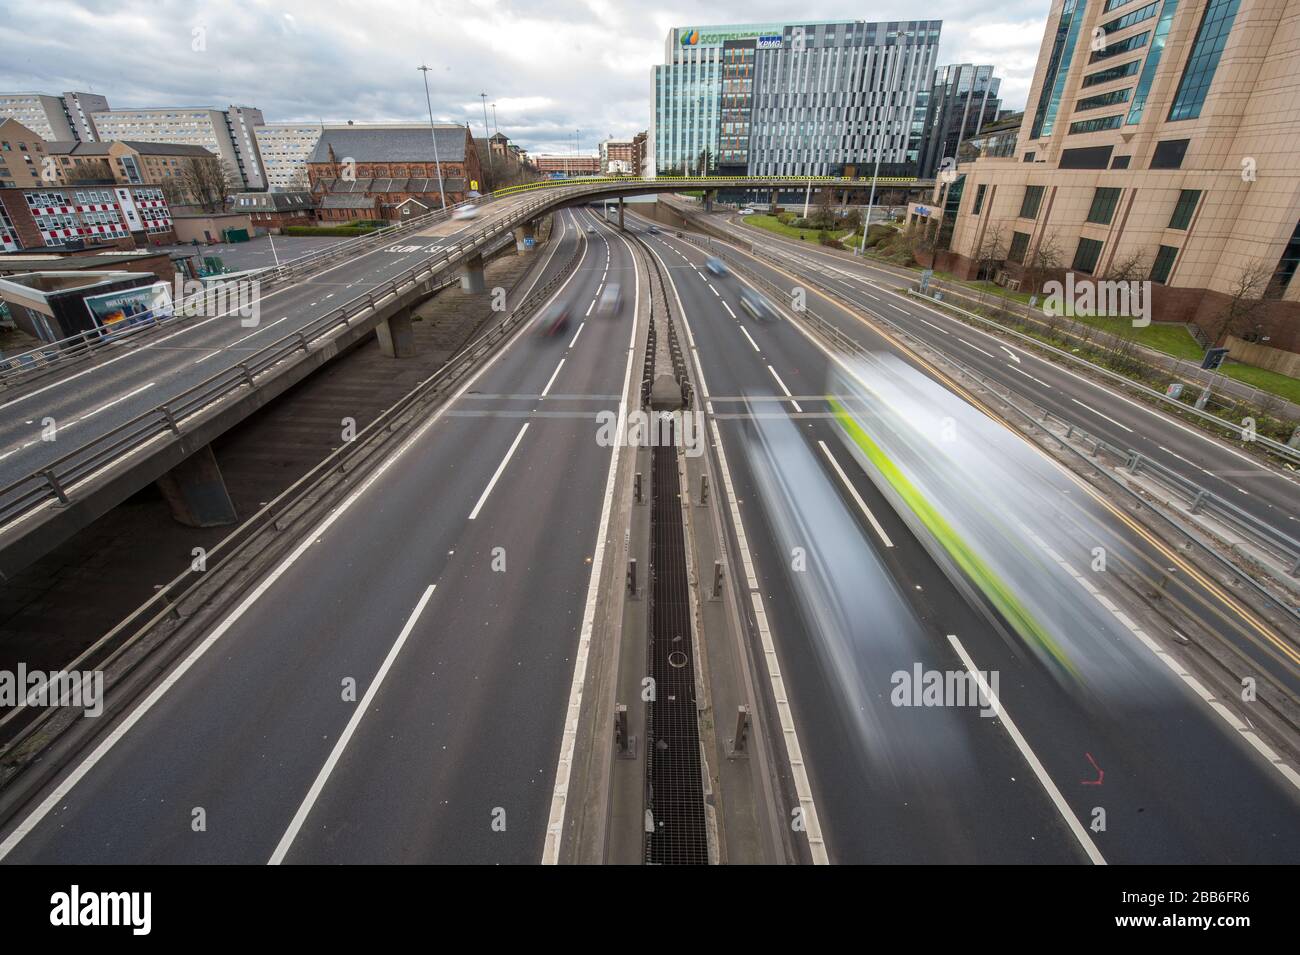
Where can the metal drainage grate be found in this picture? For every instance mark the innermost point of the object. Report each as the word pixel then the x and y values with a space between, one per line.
pixel 674 798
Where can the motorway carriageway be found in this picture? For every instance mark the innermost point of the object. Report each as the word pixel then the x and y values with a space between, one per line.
pixel 1269 493
pixel 945 784
pixel 95 398
pixel 463 673
pixel 1060 390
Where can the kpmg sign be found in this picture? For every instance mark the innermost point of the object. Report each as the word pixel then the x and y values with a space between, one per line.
pixel 769 42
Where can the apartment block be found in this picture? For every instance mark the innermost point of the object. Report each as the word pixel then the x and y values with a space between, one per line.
pixel 77 217
pixel 66 117
pixel 285 149
pixel 23 155
pixel 229 134
pixel 1159 140
pixel 132 163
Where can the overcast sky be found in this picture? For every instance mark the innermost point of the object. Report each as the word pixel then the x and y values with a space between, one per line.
pixel 551 66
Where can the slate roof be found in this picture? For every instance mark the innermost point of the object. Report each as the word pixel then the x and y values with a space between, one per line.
pixel 409 144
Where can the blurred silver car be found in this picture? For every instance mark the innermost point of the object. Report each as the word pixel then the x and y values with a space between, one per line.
pixel 716 266
pixel 465 212
pixel 757 306
pixel 611 299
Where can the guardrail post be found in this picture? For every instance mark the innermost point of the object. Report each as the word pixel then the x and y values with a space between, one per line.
pixel 171 419
pixel 715 592
pixel 636 488
pixel 631 576
pixel 1199 500
pixel 55 486
pixel 248 375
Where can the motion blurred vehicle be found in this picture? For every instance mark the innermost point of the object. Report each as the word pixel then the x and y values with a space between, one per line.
pixel 465 212
pixel 611 299
pixel 745 212
pixel 716 266
pixel 653 230
pixel 554 320
pixel 591 230
pixel 757 305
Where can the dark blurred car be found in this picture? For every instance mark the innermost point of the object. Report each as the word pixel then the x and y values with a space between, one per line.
pixel 554 320
pixel 653 230
pixel 716 266
pixel 757 305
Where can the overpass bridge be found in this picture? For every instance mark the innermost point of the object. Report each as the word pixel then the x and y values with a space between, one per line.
pixel 90 421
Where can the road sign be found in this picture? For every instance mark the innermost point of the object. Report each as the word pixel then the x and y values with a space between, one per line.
pixel 1214 358
pixel 473 184
pixel 529 242
pixel 925 279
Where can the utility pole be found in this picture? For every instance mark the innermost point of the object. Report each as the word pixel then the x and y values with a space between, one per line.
pixel 862 249
pixel 487 141
pixel 433 133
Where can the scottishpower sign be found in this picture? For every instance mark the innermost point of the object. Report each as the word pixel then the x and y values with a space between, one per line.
pixel 766 37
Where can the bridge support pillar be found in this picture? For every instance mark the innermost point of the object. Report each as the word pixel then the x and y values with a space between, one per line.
pixel 396 338
pixel 620 212
pixel 709 196
pixel 526 237
pixel 196 491
pixel 471 274
pixel 776 199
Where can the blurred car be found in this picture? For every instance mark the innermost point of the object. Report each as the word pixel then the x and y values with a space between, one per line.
pixel 653 230
pixel 611 299
pixel 716 266
pixel 757 305
pixel 746 212
pixel 465 212
pixel 554 320
pixel 591 230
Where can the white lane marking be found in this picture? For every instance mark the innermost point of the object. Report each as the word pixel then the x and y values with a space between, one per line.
pixel 745 332
pixel 1014 356
pixel 1100 415
pixel 976 347
pixel 577 333
pixel 857 498
pixel 499 471
pixel 116 401
pixel 785 389
pixel 547 389
pixel 1184 460
pixel 1030 377
pixel 1168 660
pixel 568 739
pixel 942 331
pixel 358 713
pixel 728 308
pixel 589 308
pixel 1081 834
pixel 714 291
pixel 60 792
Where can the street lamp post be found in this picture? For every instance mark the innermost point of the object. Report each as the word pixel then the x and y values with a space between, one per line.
pixel 866 224
pixel 487 141
pixel 433 133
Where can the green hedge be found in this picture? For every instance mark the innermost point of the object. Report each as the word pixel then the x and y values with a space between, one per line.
pixel 337 231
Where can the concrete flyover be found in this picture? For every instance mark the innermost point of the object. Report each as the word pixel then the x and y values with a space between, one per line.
pixel 135 413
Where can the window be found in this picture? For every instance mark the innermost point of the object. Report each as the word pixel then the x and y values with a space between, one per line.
pixel 1135 42
pixel 1033 199
pixel 1169 154
pixel 1152 61
pixel 1019 244
pixel 1128 19
pixel 1286 267
pixel 1104 99
pixel 1029 157
pixel 1120 162
pixel 1164 264
pixel 1198 74
pixel 1086 256
pixel 979 200
pixel 1112 73
pixel 1182 216
pixel 1097 125
pixel 1104 201
pixel 1058 67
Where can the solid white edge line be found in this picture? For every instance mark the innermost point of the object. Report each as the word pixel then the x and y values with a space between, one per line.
pixel 1063 807
pixel 60 792
pixel 790 736
pixel 856 496
pixel 568 739
pixel 499 471
pixel 358 713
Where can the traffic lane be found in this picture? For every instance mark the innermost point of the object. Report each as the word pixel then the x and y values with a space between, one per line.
pixel 96 403
pixel 1190 590
pixel 456 756
pixel 1146 769
pixel 267 702
pixel 1270 494
pixel 920 787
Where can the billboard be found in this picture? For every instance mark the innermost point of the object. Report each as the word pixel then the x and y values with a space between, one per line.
pixel 117 311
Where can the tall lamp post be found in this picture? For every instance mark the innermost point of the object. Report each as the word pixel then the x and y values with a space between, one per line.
pixel 433 133
pixel 866 224
pixel 487 140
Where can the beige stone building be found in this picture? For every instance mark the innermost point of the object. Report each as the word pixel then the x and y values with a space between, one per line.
pixel 1160 140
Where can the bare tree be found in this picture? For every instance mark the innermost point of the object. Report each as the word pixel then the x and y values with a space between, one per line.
pixel 1044 259
pixel 921 239
pixel 91 171
pixel 206 182
pixel 1129 268
pixel 1245 300
pixel 991 251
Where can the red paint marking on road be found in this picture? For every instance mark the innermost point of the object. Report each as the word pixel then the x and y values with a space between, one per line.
pixel 1101 773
